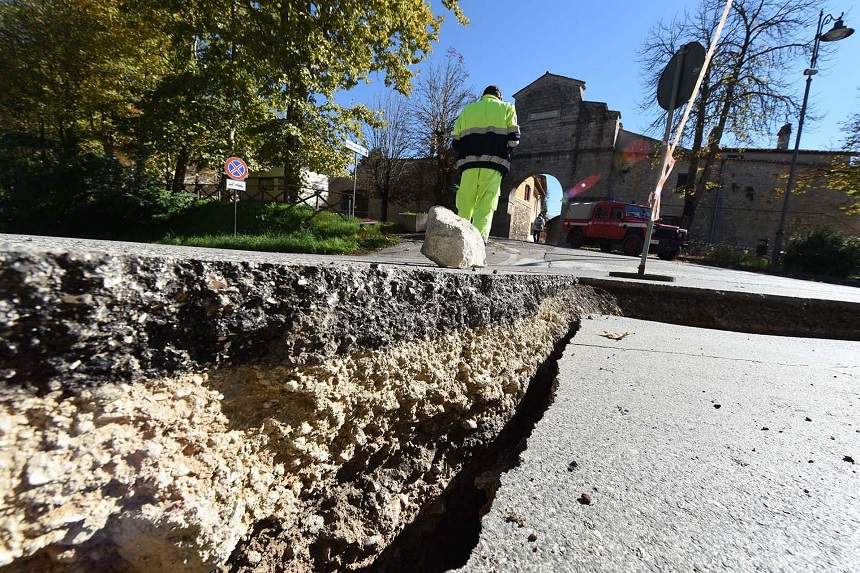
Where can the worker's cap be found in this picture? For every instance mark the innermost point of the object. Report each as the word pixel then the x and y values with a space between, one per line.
pixel 493 91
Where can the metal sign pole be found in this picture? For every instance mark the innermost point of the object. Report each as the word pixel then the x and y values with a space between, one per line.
pixel 236 171
pixel 354 183
pixel 646 246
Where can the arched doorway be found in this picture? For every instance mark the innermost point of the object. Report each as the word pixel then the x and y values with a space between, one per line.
pixel 535 194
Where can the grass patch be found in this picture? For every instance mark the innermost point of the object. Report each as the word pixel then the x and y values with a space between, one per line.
pixel 292 243
pixel 274 227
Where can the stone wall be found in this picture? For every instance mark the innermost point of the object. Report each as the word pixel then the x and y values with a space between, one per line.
pixel 744 206
pixel 189 411
pixel 414 192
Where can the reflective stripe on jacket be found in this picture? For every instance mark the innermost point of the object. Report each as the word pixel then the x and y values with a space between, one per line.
pixel 485 133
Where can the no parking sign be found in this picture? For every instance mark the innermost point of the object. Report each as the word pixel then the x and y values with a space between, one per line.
pixel 236 169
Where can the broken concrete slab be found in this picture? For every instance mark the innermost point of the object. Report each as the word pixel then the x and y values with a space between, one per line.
pixel 164 412
pixel 676 484
pixel 452 241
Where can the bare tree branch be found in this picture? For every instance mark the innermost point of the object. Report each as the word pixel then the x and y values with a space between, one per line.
pixel 390 147
pixel 747 92
pixel 441 92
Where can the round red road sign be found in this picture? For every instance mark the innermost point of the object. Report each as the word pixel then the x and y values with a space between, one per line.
pixel 235 168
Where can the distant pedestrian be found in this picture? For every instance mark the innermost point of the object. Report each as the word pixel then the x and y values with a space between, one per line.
pixel 484 136
pixel 538 226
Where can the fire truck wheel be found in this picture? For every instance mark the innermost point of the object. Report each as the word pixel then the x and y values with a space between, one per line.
pixel 632 245
pixel 575 237
pixel 606 246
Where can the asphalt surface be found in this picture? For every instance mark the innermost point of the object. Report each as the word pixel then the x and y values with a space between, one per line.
pixel 701 451
pixel 504 255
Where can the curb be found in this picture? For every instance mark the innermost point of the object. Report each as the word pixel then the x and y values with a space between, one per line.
pixel 752 313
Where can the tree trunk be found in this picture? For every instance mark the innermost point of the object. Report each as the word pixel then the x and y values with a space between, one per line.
pixel 444 172
pixel 713 148
pixel 180 170
pixel 696 148
pixel 292 181
pixel 384 195
pixel 293 167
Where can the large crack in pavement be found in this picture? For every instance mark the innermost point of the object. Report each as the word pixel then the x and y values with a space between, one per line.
pixel 444 534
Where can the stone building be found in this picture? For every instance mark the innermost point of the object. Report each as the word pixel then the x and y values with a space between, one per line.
pixel 744 205
pixel 414 195
pixel 584 145
pixel 525 203
pixel 563 135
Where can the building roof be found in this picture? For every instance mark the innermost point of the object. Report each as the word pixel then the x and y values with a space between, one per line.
pixel 743 150
pixel 573 80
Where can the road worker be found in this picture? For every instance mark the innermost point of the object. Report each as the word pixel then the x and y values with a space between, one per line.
pixel 485 133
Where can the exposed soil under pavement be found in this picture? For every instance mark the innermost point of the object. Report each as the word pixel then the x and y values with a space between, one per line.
pixel 443 536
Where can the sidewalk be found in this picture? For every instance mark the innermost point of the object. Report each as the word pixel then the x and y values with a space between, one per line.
pixel 506 255
pixel 503 256
pixel 700 450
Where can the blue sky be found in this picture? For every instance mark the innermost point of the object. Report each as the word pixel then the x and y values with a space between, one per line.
pixel 511 43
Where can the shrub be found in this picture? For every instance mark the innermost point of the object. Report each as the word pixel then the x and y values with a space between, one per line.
pixel 273 227
pixel 92 196
pixel 215 217
pixel 724 255
pixel 299 242
pixel 824 252
pixel 729 256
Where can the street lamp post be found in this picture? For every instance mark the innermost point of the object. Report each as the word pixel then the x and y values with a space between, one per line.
pixel 838 32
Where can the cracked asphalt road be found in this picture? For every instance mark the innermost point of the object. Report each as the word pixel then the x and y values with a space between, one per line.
pixel 503 255
pixel 700 450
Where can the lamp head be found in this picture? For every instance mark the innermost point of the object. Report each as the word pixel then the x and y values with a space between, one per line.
pixel 839 31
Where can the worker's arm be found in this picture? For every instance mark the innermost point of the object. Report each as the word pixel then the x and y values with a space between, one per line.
pixel 455 136
pixel 513 128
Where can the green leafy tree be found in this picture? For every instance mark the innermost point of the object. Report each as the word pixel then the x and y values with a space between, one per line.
pixel 74 73
pixel 259 79
pixel 96 87
pixel 844 175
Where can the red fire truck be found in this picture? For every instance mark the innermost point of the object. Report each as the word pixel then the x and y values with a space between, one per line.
pixel 616 225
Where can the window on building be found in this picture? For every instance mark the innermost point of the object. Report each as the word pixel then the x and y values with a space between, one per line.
pixel 528 193
pixel 682 181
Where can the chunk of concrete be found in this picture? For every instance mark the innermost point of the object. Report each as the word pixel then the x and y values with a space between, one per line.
pixel 452 241
pixel 176 446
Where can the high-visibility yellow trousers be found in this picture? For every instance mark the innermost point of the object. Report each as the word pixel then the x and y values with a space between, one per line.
pixel 478 197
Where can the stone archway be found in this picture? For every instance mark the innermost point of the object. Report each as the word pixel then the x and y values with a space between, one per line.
pixel 563 135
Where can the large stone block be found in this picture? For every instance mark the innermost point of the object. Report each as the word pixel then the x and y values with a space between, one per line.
pixel 452 241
